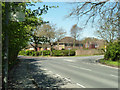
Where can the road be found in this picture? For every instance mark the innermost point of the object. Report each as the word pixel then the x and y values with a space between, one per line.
pixel 81 72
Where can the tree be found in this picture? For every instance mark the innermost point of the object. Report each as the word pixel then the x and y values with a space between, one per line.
pixel 75 33
pixel 105 12
pixel 107 31
pixel 17 32
pixel 60 33
pixel 35 39
pixel 103 9
pixel 35 22
pixel 48 31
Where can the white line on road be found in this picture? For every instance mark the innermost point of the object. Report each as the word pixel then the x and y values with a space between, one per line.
pixel 86 69
pixel 43 69
pixel 80 85
pixel 67 79
pixel 108 66
pixel 50 71
pixel 58 76
pixel 82 68
pixel 69 60
pixel 113 75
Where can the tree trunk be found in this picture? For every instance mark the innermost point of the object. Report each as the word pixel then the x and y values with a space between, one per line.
pixel 36 46
pixel 50 49
pixel 58 45
pixel 74 42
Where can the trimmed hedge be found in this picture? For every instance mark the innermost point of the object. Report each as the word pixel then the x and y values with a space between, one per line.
pixel 113 51
pixel 47 52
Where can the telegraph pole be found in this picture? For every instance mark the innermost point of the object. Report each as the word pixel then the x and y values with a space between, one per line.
pixel 5 79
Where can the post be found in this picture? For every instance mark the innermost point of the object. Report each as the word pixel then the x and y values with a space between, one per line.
pixel 69 52
pixel 42 50
pixel 5 80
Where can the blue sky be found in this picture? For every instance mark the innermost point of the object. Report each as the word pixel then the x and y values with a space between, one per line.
pixel 58 16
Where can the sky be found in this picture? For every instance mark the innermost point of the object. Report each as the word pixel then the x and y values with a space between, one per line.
pixel 58 16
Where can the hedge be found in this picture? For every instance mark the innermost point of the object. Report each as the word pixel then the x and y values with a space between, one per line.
pixel 47 52
pixel 113 51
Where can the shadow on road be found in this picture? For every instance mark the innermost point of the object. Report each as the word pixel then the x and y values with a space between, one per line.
pixel 28 74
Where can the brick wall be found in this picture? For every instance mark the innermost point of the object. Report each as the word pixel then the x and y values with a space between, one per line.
pixel 89 52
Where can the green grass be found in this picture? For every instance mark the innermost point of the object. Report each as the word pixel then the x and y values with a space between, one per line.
pixel 110 63
pixel 84 55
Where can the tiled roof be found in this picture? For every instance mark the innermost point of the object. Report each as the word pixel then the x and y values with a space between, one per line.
pixel 68 40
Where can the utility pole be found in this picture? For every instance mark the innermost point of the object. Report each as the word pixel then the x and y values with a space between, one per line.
pixel 5 79
pixel 19 17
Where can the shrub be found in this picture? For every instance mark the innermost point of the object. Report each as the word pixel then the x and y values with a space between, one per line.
pixel 63 52
pixel 113 51
pixel 47 52
pixel 22 52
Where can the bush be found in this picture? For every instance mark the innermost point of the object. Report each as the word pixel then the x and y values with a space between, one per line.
pixel 113 51
pixel 63 52
pixel 47 52
pixel 22 52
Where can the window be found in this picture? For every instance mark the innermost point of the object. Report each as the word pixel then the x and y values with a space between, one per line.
pixel 61 43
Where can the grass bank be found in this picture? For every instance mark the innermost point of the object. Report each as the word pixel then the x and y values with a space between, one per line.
pixel 83 55
pixel 110 63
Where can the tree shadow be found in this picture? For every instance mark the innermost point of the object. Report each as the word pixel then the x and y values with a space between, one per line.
pixel 30 75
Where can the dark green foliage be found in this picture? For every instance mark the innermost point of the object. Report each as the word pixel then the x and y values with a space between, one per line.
pixel 63 53
pixel 113 51
pixel 47 52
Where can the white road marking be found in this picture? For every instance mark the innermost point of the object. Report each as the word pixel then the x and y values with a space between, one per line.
pixel 80 85
pixel 67 79
pixel 85 69
pixel 58 75
pixel 43 69
pixel 107 66
pixel 50 71
pixel 113 75
pixel 82 68
pixel 69 60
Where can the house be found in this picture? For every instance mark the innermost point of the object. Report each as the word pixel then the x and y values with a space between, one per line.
pixel 40 47
pixel 67 43
pixel 93 43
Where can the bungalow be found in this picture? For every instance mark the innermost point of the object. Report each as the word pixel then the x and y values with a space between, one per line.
pixel 93 43
pixel 67 43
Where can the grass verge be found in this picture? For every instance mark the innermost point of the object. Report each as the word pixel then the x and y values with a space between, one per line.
pixel 82 55
pixel 110 63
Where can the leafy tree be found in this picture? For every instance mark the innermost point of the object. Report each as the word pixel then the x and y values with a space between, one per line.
pixel 34 22
pixel 75 33
pixel 18 32
pixel 48 31
pixel 36 39
pixel 60 33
